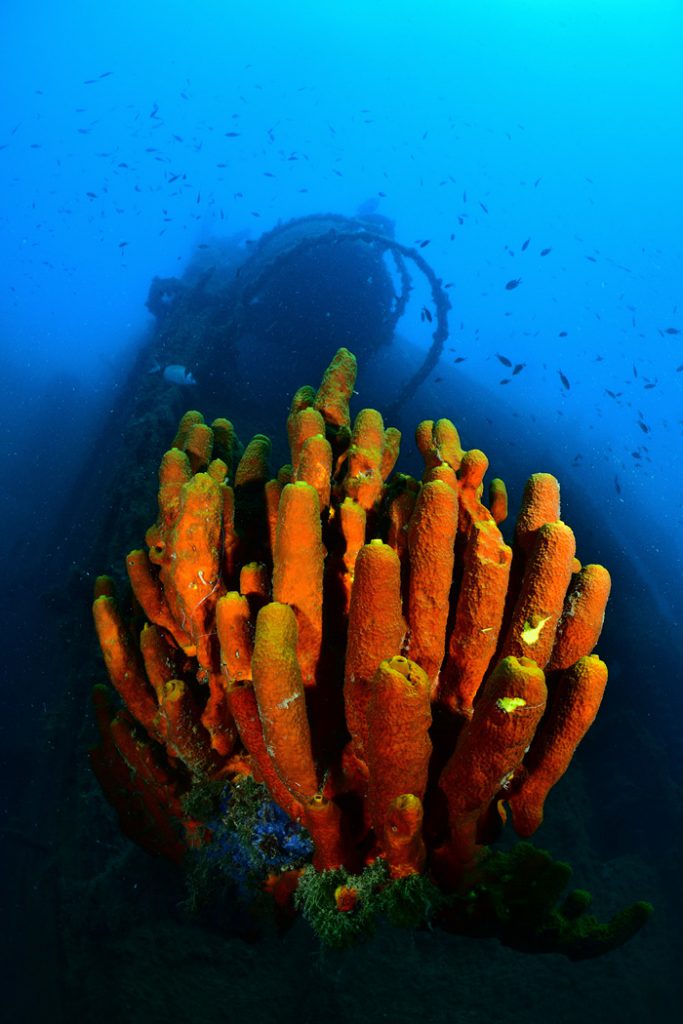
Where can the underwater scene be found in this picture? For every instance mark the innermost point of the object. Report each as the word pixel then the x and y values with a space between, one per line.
pixel 341 533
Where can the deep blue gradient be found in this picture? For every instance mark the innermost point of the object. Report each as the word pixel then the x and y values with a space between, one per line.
pixel 536 141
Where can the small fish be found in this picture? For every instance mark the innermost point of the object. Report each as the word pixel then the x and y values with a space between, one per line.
pixel 635 455
pixel 679 368
pixel 562 334
pixel 91 195
pixel 671 330
pixel 483 207
pixel 544 252
pixel 425 242
pixel 617 485
pixel 231 135
pixel 503 359
pixel 537 182
pixel 525 244
pixel 505 380
pixel 644 427
pixel 518 369
pixel 514 283
pixel 564 380
pixel 461 359
pixel 122 245
pixel 175 374
pixel 427 315
pixel 592 259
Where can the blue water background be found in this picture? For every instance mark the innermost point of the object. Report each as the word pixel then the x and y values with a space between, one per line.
pixel 133 133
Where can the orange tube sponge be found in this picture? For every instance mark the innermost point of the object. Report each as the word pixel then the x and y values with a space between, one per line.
pixel 472 472
pixel 547 573
pixel 478 617
pixel 576 698
pixel 431 538
pixel 175 471
pixel 402 842
pixel 279 629
pixel 334 393
pixel 401 508
pixel 199 446
pixel 490 749
pixel 302 424
pixel 279 690
pixel 144 760
pixel 352 523
pixel 376 631
pixel 187 422
pixel 216 717
pixel 582 617
pixel 298 570
pixel 103 587
pixel 226 445
pixel 322 818
pixel 398 747
pixel 185 736
pixel 315 467
pixel 439 442
pixel 271 494
pixel 150 595
pixel 363 480
pixel 255 583
pixel 390 451
pixel 540 505
pixel 498 500
pixel 123 663
pixel 234 635
pixel 231 541
pixel 162 661
pixel 217 470
pixel 136 780
pixel 143 815
pixel 253 466
pixel 190 573
pixel 244 709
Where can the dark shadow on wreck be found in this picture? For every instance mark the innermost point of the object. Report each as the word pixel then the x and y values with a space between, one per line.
pixel 92 924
